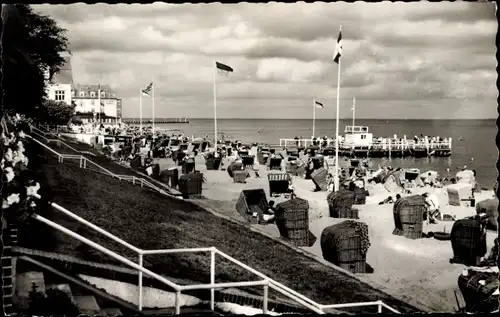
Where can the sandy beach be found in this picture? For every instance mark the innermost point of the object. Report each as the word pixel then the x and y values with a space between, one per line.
pixel 417 270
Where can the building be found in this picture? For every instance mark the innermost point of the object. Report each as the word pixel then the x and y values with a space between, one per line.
pixel 86 100
pixel 59 86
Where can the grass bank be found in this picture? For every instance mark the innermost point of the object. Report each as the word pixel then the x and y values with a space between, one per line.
pixel 152 221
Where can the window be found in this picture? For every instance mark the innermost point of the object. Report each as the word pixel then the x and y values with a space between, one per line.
pixel 82 93
pixel 72 93
pixel 103 94
pixel 363 137
pixel 92 94
pixel 60 95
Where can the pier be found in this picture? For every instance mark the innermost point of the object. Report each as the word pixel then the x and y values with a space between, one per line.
pixel 387 147
pixel 157 120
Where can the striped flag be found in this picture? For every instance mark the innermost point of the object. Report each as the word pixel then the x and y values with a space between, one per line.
pixel 338 49
pixel 224 69
pixel 318 104
pixel 148 89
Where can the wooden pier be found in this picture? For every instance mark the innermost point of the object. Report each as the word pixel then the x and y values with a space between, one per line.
pixel 385 148
pixel 157 120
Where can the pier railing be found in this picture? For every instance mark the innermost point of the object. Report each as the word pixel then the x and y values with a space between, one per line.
pixel 376 144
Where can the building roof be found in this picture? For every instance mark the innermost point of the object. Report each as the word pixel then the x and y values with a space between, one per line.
pixel 104 88
pixel 65 73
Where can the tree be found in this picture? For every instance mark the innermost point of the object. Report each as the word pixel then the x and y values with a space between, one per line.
pixel 30 43
pixel 53 112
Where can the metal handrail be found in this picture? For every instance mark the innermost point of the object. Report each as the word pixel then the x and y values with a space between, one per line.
pixel 266 282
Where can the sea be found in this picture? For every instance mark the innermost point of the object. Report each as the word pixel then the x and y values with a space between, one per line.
pixel 473 142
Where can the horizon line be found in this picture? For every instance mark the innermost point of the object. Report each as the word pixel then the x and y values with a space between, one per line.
pixel 348 118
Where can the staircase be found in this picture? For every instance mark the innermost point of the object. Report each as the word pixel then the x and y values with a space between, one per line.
pixel 85 303
pixel 9 236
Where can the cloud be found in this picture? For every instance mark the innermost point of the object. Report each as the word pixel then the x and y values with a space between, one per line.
pixel 411 54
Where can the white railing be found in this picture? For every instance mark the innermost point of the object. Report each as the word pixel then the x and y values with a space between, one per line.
pixel 84 162
pixel 266 281
pixel 386 144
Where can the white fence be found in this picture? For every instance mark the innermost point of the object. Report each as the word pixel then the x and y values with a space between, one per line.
pixel 265 281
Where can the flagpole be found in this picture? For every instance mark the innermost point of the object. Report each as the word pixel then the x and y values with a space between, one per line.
pixel 215 110
pixel 140 110
pixel 353 111
pixel 153 102
pixel 314 117
pixel 337 128
pixel 99 102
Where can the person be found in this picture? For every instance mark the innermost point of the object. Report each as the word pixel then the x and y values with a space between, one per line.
pixel 269 213
pixel 432 204
pixel 331 182
pixel 291 189
pixel 388 200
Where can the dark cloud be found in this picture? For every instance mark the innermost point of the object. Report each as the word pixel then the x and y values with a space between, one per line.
pixel 276 47
pixel 456 12
pixel 421 53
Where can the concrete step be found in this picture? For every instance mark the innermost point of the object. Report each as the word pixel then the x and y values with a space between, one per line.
pixel 24 285
pixel 111 312
pixel 63 288
pixel 87 305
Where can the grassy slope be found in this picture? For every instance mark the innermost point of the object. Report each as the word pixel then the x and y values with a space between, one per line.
pixel 149 220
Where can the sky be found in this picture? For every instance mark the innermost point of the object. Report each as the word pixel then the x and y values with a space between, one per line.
pixel 400 60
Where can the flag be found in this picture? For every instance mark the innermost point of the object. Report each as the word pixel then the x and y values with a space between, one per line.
pixel 148 89
pixel 338 49
pixel 318 104
pixel 102 106
pixel 224 68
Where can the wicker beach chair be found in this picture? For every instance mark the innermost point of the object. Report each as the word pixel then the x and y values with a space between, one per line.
pixel 234 166
pixel 292 220
pixel 278 183
pixel 408 215
pixel 212 163
pixel 252 201
pixel 318 177
pixel 340 204
pixel 490 208
pixel 188 166
pixel 477 288
pixel 468 240
pixel 247 160
pixel 346 244
pixel 190 185
pixel 459 193
pixel 240 176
